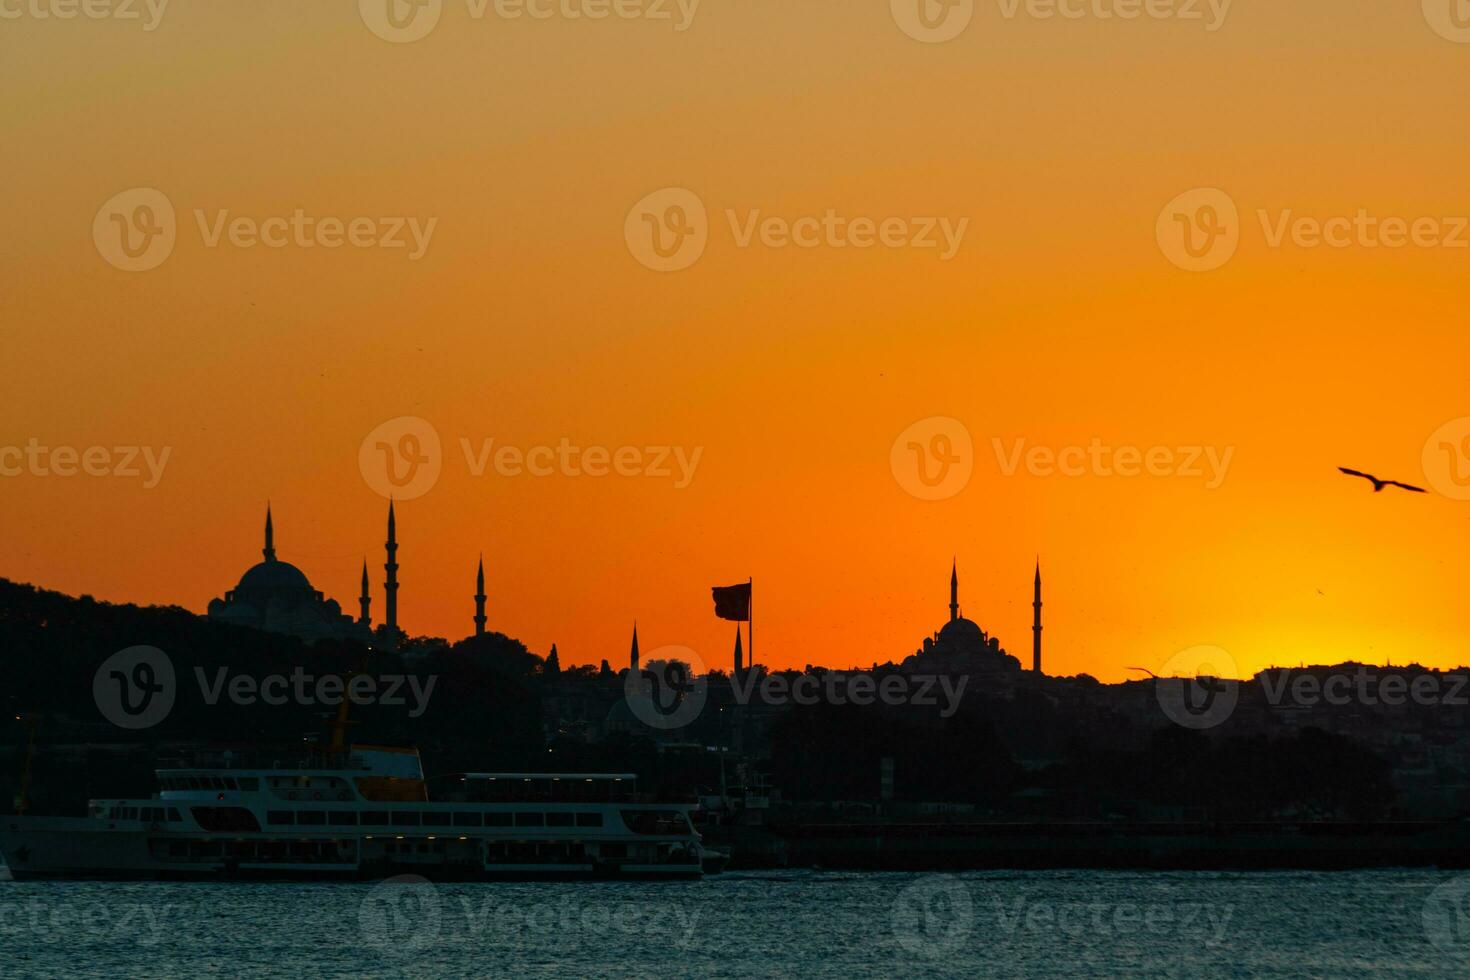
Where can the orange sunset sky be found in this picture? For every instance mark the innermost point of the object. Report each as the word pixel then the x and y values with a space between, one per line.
pixel 529 320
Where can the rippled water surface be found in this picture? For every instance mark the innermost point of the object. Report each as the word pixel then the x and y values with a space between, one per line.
pixel 1056 924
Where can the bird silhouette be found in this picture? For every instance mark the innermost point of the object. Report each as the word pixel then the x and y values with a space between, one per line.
pixel 1378 484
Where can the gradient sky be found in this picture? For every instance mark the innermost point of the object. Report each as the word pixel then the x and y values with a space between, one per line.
pixel 529 321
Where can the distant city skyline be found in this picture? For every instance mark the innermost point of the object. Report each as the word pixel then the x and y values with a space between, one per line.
pixel 1063 318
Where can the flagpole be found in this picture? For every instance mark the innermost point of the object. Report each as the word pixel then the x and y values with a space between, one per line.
pixel 750 621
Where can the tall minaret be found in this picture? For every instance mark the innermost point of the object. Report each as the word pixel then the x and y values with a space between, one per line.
pixel 633 656
pixel 366 599
pixel 480 600
pixel 270 536
pixel 954 592
pixel 1036 622
pixel 390 585
pixel 739 654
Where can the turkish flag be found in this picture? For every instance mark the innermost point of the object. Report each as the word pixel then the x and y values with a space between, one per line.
pixel 732 602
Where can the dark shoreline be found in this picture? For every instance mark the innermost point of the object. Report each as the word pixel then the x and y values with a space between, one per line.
pixel 1096 845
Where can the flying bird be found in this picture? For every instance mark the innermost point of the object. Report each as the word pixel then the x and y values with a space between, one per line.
pixel 1378 484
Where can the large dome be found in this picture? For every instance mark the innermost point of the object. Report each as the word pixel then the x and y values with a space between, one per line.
pixel 961 633
pixel 274 577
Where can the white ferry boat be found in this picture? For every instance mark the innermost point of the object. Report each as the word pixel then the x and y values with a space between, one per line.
pixel 365 812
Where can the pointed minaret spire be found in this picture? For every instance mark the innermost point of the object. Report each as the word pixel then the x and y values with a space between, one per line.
pixel 480 600
pixel 366 599
pixel 270 536
pixel 739 654
pixel 633 655
pixel 954 591
pixel 390 584
pixel 1036 620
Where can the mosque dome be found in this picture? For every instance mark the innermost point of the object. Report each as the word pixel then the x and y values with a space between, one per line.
pixel 961 633
pixel 275 577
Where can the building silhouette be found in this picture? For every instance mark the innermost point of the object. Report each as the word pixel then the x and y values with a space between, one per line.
pixel 277 597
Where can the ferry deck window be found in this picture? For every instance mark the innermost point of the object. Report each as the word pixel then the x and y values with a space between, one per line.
pixel 311 818
pixel 445 819
pixel 342 818
pixel 497 820
pixel 559 819
pixel 593 819
pixel 375 818
pixel 530 819
pixel 284 817
pixel 467 820
pixel 405 818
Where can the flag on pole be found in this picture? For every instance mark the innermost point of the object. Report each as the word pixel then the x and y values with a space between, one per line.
pixel 733 602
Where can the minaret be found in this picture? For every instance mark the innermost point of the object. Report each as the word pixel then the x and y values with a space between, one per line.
pixel 954 592
pixel 390 585
pixel 739 654
pixel 366 599
pixel 1036 622
pixel 633 656
pixel 270 536
pixel 480 600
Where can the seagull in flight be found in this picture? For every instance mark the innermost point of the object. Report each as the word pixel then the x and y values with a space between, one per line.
pixel 1378 484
